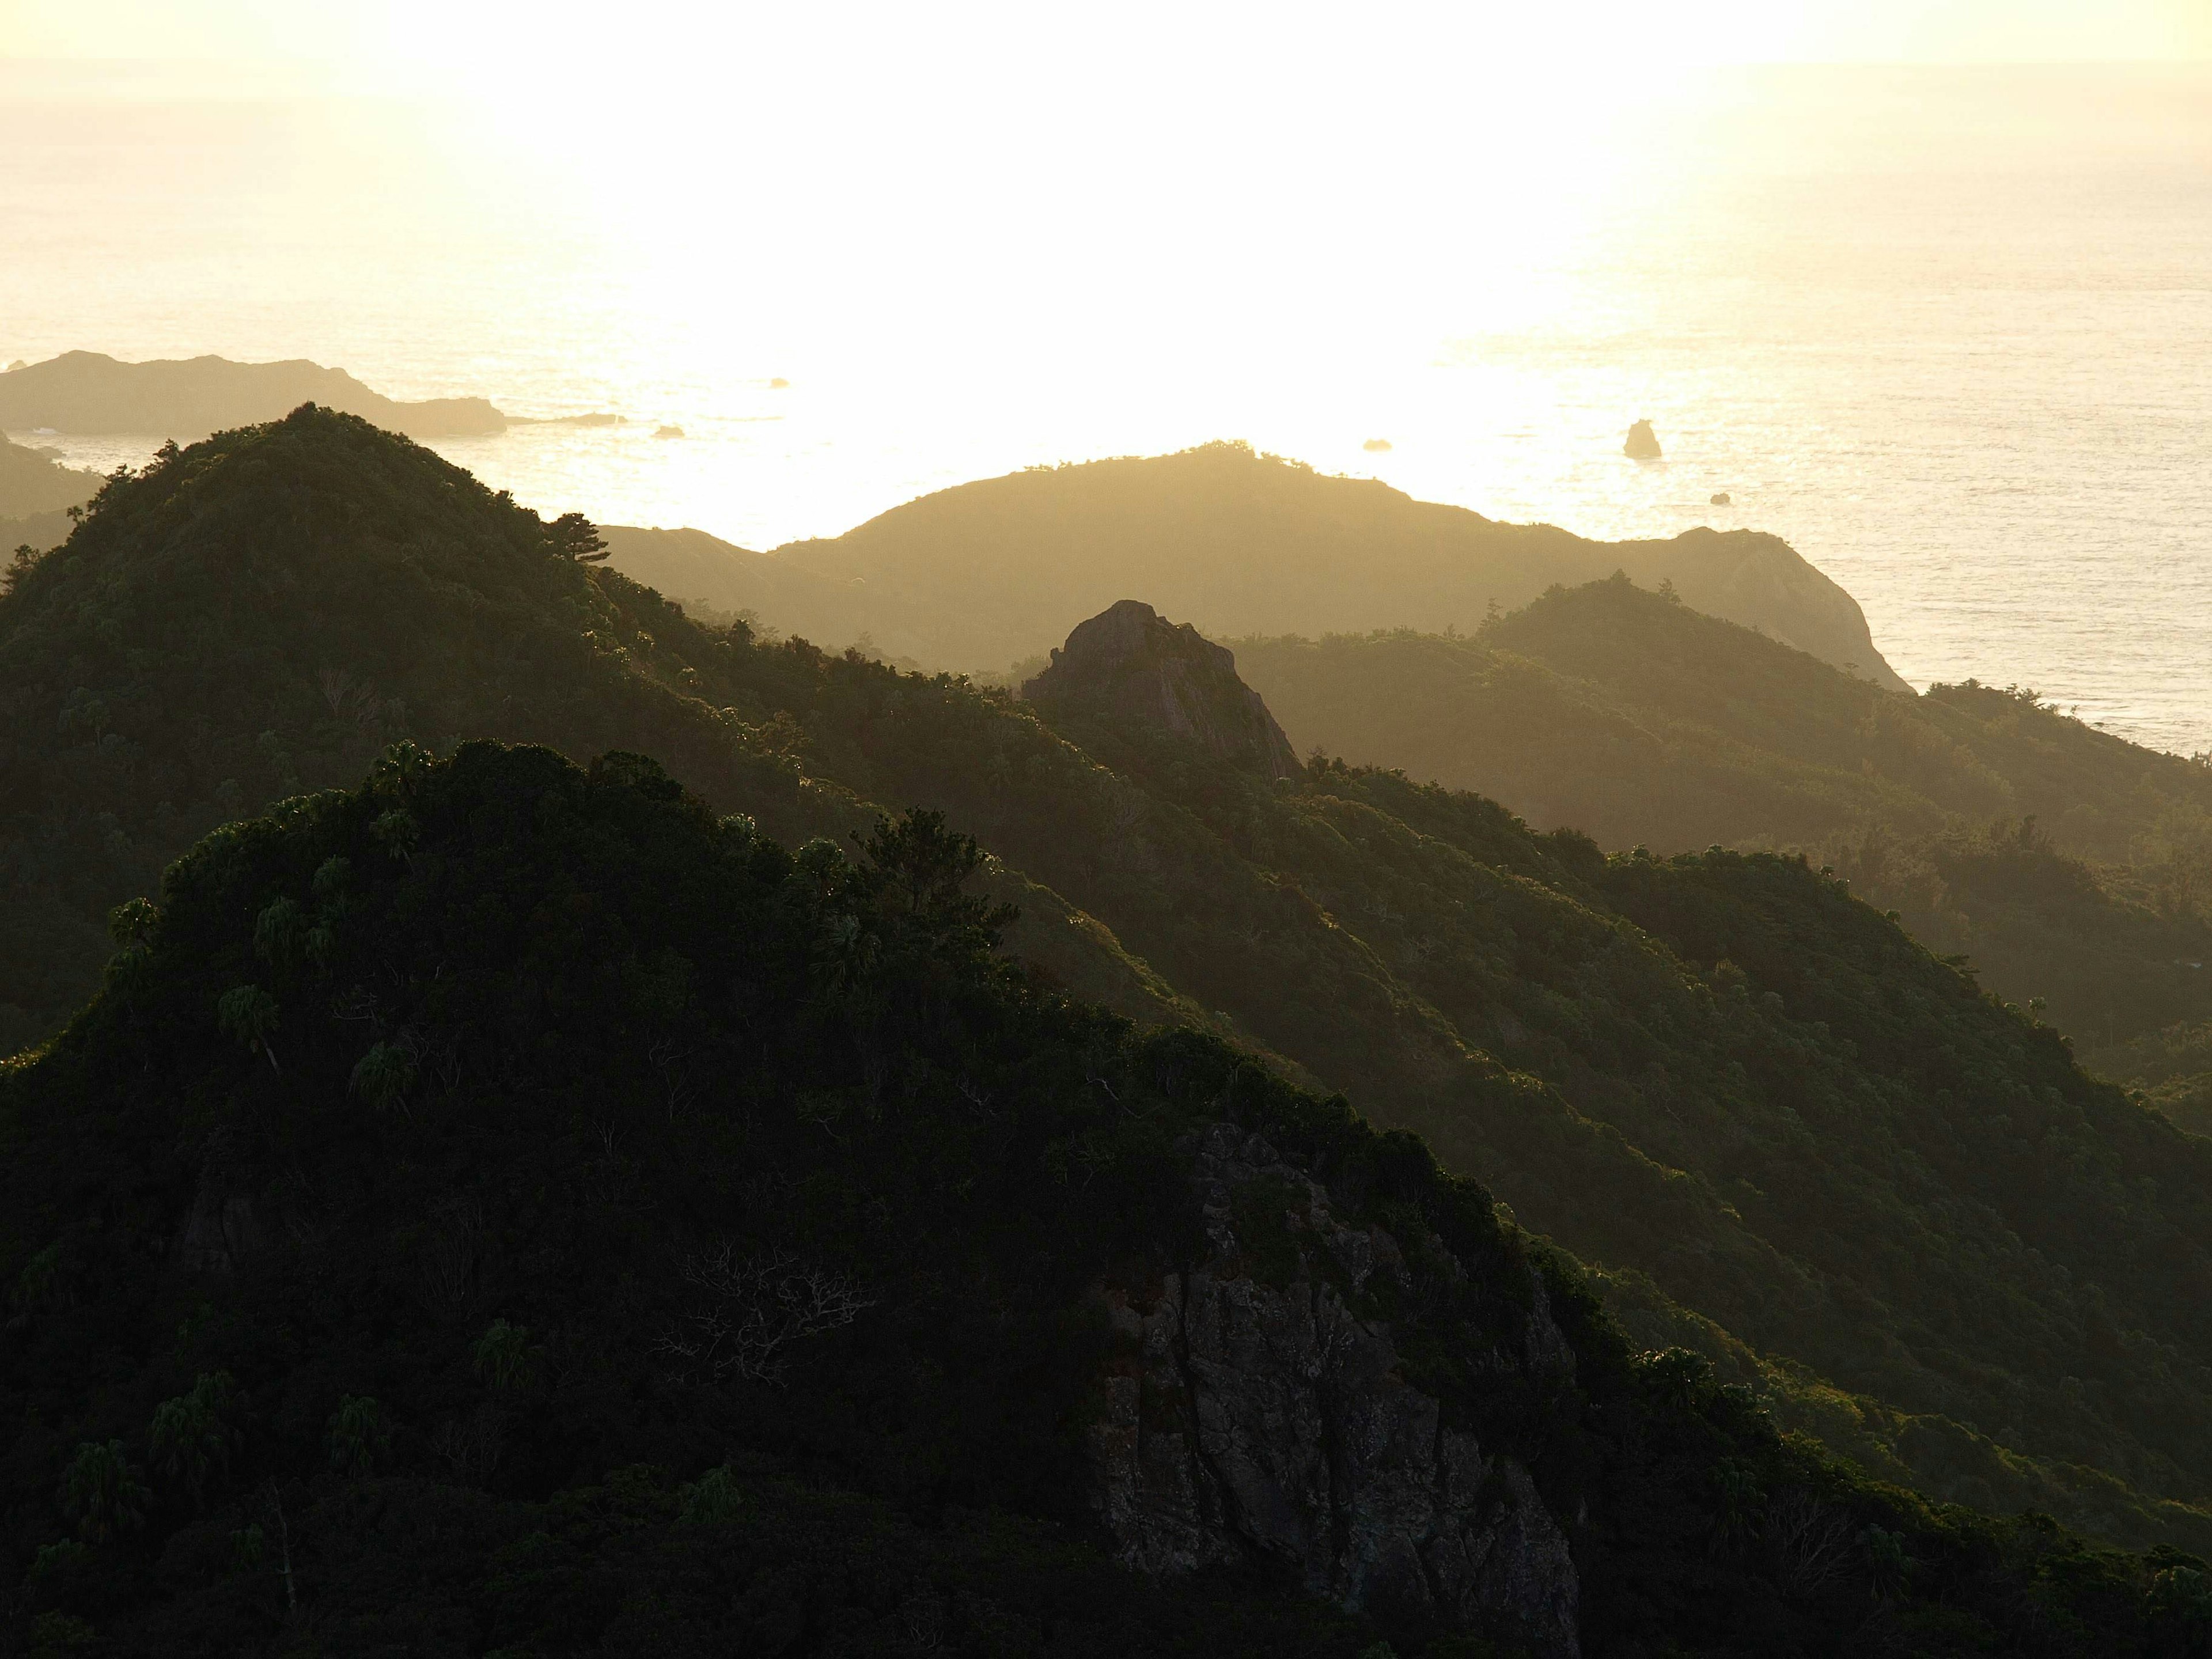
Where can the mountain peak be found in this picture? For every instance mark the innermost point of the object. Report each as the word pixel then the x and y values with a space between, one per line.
pixel 1130 661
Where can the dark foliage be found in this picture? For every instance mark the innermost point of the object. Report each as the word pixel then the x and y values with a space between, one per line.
pixel 2069 865
pixel 1765 1113
pixel 410 1259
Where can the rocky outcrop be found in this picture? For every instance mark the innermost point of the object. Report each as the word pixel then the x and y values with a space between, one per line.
pixel 1642 444
pixel 87 391
pixel 1131 663
pixel 221 1226
pixel 1260 1415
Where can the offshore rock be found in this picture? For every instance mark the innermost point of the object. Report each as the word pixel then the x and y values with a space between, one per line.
pixel 1643 444
pixel 1131 663
pixel 1254 1421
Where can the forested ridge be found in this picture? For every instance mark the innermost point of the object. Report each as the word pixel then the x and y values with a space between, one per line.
pixel 495 1322
pixel 2071 868
pixel 1889 1208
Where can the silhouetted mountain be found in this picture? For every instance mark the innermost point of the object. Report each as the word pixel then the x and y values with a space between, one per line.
pixel 704 572
pixel 1780 1130
pixel 90 392
pixel 1641 722
pixel 989 573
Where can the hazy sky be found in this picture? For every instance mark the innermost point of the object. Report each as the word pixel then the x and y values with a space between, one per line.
pixel 1079 171
pixel 492 47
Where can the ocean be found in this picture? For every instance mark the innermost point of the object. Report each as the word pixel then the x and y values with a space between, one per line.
pixel 1947 331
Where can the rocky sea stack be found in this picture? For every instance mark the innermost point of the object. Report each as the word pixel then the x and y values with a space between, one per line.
pixel 1130 662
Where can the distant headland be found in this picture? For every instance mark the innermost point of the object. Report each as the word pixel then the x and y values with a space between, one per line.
pixel 89 392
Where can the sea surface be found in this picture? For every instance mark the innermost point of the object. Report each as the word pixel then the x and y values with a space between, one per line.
pixel 1949 331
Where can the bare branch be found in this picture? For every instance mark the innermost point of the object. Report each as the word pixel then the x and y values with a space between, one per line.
pixel 750 1310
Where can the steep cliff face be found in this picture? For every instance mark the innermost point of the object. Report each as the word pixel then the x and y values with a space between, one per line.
pixel 1258 1412
pixel 1130 663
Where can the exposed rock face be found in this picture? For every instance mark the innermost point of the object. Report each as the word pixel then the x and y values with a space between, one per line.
pixel 221 1226
pixel 1131 662
pixel 1267 1419
pixel 1643 444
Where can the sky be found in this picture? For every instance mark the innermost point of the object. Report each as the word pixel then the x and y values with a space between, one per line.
pixel 504 50
pixel 1026 168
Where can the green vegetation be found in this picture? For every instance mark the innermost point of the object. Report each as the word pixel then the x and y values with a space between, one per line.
pixel 2069 867
pixel 439 1366
pixel 1782 1132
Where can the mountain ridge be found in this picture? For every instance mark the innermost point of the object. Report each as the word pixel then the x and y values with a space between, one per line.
pixel 1720 1073
pixel 990 572
pixel 2063 861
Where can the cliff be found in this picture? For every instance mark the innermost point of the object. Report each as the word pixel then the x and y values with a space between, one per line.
pixel 1128 664
pixel 1263 1415
pixel 89 391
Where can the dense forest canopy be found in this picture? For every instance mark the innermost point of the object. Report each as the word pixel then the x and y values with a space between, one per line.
pixel 1777 1128
pixel 2072 868
pixel 509 1209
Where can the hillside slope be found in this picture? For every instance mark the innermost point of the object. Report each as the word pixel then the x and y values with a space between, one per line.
pixel 1749 1098
pixel 264 613
pixel 33 484
pixel 509 1209
pixel 2067 863
pixel 992 571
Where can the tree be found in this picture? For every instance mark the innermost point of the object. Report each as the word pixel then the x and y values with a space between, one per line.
pixel 575 537
pixel 504 1357
pixel 921 867
pixel 101 1494
pixel 192 1437
pixel 249 1013
pixel 359 1437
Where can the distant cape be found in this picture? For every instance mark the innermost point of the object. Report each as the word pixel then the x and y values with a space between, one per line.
pixel 87 391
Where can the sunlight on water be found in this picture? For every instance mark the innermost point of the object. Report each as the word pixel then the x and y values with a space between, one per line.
pixel 1952 339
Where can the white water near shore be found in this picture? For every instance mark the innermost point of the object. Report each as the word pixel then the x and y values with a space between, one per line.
pixel 1949 332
